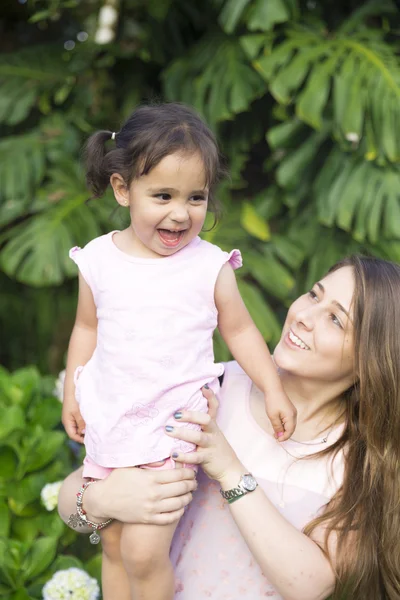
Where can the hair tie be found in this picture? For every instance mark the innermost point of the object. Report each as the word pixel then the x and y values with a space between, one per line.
pixel 113 135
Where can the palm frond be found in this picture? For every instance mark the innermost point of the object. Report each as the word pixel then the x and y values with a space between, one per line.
pixel 360 72
pixel 216 78
pixel 35 251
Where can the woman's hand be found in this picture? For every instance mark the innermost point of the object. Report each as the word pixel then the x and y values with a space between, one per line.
pixel 214 453
pixel 145 496
pixel 131 495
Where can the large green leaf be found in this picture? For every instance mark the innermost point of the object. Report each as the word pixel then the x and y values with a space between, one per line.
pixel 363 72
pixel 11 418
pixel 359 197
pixel 40 557
pixel 260 311
pixel 216 78
pixel 36 251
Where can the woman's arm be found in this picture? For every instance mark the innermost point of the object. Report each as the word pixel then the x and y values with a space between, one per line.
pixel 251 352
pixel 292 562
pixel 81 347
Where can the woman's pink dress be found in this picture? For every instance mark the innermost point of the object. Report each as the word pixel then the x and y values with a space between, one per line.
pixel 210 557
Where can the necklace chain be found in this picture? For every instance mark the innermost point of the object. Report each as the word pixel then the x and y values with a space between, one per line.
pixel 317 442
pixel 324 440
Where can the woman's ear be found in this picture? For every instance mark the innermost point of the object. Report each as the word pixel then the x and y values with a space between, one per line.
pixel 121 190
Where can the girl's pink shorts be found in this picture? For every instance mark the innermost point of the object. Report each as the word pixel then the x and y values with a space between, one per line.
pixel 93 471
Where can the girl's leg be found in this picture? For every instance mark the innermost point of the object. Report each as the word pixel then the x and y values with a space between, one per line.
pixel 114 579
pixel 145 554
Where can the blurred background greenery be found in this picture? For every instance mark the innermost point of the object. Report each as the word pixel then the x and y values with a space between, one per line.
pixel 304 96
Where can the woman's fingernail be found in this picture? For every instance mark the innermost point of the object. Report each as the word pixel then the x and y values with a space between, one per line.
pixel 174 455
pixel 206 386
pixel 280 434
pixel 178 415
pixel 169 428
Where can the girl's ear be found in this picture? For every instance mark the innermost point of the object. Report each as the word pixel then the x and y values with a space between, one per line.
pixel 121 190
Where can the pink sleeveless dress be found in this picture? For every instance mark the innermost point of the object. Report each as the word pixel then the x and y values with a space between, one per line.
pixel 156 318
pixel 210 557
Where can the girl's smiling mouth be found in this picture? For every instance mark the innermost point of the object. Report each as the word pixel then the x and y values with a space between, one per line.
pixel 171 238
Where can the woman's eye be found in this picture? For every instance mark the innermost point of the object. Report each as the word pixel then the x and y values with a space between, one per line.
pixel 163 196
pixel 335 320
pixel 313 295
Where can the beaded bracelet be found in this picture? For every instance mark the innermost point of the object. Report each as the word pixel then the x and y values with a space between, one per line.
pixel 80 518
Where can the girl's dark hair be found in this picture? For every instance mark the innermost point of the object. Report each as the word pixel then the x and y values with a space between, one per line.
pixel 151 133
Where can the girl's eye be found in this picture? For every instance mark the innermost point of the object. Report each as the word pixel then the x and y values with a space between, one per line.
pixel 163 196
pixel 198 198
pixel 335 320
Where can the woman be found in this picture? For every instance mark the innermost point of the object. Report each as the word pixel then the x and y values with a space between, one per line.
pixel 325 516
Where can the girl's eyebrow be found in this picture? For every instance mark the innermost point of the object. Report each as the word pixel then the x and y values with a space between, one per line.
pixel 167 190
pixel 161 189
pixel 340 307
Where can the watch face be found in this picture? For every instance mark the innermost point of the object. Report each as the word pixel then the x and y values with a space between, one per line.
pixel 249 483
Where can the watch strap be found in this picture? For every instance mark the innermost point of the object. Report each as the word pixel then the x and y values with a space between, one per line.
pixel 238 492
pixel 232 495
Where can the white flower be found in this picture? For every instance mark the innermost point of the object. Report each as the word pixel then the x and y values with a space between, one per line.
pixel 71 584
pixel 59 387
pixel 108 16
pixel 104 35
pixel 351 136
pixel 49 495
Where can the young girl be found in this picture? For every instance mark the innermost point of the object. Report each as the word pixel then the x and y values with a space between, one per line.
pixel 150 298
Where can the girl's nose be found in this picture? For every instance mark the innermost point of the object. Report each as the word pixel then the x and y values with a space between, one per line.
pixel 180 214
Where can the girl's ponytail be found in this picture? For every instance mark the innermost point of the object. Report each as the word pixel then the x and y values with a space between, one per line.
pixel 97 173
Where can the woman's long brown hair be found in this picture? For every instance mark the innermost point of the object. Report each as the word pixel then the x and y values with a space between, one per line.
pixel 365 512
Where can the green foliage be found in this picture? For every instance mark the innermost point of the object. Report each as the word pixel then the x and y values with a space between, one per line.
pixel 33 452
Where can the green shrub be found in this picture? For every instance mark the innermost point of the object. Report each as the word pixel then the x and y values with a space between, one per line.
pixel 34 451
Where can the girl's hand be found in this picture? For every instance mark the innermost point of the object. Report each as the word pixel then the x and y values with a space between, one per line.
pixel 72 420
pixel 214 453
pixel 282 414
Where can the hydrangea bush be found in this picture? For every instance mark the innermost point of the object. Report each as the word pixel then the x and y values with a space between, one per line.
pixel 39 556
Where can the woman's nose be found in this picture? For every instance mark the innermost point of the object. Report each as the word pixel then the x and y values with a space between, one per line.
pixel 306 317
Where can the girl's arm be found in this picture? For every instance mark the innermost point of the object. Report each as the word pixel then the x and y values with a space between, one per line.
pixel 81 347
pixel 251 352
pixel 292 562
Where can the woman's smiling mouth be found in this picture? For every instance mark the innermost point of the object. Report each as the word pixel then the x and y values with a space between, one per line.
pixel 297 341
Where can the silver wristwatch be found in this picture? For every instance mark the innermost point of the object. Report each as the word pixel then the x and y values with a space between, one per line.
pixel 247 484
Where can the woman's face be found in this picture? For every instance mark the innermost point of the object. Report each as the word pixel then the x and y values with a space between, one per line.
pixel 317 337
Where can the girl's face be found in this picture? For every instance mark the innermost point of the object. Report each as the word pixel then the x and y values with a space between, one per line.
pixel 168 206
pixel 317 337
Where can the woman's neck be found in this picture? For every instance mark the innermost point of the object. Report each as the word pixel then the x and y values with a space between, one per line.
pixel 319 407
pixel 315 401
